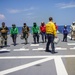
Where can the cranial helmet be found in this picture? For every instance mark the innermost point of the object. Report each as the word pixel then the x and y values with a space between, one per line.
pixel 73 23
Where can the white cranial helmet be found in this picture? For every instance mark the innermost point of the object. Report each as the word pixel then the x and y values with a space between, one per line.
pixel 65 25
pixel 73 23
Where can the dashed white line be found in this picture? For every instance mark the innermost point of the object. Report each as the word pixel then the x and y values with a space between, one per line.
pixel 72 48
pixel 4 50
pixel 21 49
pixel 34 45
pixel 59 48
pixel 70 43
pixel 38 49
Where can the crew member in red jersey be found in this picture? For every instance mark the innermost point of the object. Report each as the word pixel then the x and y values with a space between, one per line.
pixel 43 32
pixel 56 26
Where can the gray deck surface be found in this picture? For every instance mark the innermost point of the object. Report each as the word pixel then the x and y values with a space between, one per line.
pixel 31 59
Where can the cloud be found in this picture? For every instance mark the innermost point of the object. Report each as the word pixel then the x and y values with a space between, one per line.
pixel 13 11
pixel 29 14
pixel 66 5
pixel 28 9
pixel 2 17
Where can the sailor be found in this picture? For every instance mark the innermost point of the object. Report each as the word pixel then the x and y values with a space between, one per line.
pixel 43 31
pixel 25 32
pixel 65 33
pixel 4 30
pixel 14 32
pixel 72 27
pixel 35 31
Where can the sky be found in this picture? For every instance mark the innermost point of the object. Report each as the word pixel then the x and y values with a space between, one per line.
pixel 29 11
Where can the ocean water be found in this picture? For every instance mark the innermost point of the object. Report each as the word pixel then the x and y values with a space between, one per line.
pixel 60 28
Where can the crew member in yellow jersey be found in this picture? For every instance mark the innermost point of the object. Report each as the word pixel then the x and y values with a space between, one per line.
pixel 51 34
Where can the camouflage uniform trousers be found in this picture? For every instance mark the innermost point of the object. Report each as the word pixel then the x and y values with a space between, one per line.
pixel 4 40
pixel 25 36
pixel 73 34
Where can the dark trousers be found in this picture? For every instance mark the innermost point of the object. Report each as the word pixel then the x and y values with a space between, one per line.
pixel 50 38
pixel 43 35
pixel 65 37
pixel 36 37
pixel 14 36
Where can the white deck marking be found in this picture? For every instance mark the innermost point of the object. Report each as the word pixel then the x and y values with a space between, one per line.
pixel 60 68
pixel 24 66
pixel 70 43
pixel 34 45
pixel 21 49
pixel 24 57
pixel 4 50
pixel 38 49
pixel 72 48
pixel 59 48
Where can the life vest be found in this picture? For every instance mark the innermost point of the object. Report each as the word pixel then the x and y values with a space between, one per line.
pixel 43 29
pixel 25 29
pixel 56 27
pixel 3 30
pixel 65 31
